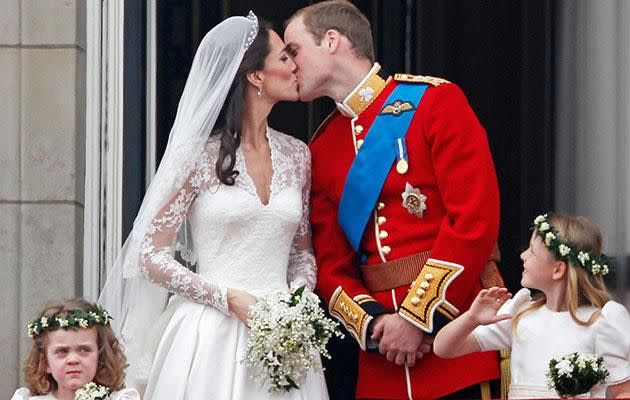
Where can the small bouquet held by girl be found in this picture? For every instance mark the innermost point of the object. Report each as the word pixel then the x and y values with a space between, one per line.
pixel 75 356
pixel 575 374
pixel 288 333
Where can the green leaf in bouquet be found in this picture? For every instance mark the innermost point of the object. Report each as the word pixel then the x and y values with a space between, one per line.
pixel 291 385
pixel 299 291
pixel 296 296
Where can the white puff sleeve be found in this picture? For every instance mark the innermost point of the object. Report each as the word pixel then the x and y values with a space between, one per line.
pixel 21 394
pixel 612 341
pixel 498 336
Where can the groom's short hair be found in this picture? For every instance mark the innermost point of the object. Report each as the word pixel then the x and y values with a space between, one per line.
pixel 342 16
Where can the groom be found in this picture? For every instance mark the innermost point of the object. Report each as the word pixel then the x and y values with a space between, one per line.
pixel 405 207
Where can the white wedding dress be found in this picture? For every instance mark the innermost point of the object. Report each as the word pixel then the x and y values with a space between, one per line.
pixel 240 243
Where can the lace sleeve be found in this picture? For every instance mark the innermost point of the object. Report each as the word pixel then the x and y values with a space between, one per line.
pixel 302 269
pixel 157 260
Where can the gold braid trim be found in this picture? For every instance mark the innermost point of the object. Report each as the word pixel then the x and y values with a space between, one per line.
pixel 505 373
pixel 428 292
pixel 364 95
pixel 431 80
pixel 351 315
pixel 448 310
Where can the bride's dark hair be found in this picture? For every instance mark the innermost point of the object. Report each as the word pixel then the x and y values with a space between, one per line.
pixel 231 115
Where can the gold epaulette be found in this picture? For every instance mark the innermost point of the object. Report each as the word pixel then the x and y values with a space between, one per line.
pixel 431 80
pixel 428 294
pixel 348 311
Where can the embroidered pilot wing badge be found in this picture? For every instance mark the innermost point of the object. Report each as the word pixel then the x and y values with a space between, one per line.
pixel 397 107
pixel 414 201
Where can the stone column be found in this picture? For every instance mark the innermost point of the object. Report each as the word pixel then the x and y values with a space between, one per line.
pixel 593 123
pixel 42 159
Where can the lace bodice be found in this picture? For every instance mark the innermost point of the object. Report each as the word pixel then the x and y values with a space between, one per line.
pixel 238 241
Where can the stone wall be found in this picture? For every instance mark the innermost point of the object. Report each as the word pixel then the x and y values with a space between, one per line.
pixel 42 166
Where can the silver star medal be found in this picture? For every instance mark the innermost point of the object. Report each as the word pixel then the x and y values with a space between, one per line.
pixel 414 201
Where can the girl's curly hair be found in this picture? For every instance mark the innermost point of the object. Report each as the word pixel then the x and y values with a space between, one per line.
pixel 111 359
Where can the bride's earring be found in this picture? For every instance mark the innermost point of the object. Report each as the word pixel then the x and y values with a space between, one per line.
pixel 259 93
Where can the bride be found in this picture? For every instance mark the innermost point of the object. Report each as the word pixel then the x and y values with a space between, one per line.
pixel 224 220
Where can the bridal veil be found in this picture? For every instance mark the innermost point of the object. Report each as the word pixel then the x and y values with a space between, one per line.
pixel 134 303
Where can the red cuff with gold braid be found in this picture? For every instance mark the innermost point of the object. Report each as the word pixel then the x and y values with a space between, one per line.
pixel 355 313
pixel 428 295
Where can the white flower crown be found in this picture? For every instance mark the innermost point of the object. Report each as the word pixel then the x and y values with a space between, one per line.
pixel 596 264
pixel 75 319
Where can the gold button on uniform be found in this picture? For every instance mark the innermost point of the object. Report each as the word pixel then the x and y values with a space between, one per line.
pixel 386 250
pixel 380 206
pixel 359 143
pixel 428 277
pixel 358 129
pixel 383 235
pixel 420 292
pixel 415 301
pixel 424 285
pixel 381 220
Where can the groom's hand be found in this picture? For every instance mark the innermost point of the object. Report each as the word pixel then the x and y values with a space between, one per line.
pixel 400 341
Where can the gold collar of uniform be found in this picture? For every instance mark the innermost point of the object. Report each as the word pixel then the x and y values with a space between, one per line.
pixel 364 94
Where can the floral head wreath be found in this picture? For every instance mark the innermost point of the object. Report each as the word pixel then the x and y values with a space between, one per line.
pixel 76 319
pixel 596 264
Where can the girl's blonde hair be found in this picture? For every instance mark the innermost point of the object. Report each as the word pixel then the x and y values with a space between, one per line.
pixel 111 360
pixel 583 288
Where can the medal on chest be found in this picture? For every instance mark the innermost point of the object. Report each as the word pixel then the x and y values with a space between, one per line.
pixel 414 201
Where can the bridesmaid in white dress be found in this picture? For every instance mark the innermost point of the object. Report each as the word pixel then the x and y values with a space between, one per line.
pixel 70 350
pixel 234 204
pixel 572 313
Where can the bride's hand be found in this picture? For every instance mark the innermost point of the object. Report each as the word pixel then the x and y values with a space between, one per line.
pixel 239 303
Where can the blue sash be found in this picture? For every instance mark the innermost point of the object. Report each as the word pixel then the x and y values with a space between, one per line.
pixel 374 161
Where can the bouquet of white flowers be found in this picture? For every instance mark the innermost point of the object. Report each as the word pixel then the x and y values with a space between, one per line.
pixel 576 373
pixel 288 330
pixel 92 391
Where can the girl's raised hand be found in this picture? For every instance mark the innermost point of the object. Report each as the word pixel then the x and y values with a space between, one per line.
pixel 483 310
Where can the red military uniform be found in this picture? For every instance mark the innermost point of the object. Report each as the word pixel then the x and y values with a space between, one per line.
pixel 451 171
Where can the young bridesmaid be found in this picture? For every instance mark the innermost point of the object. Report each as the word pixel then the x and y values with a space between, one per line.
pixel 572 313
pixel 74 345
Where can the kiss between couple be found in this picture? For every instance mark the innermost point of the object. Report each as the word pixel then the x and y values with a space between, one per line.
pixel 228 216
